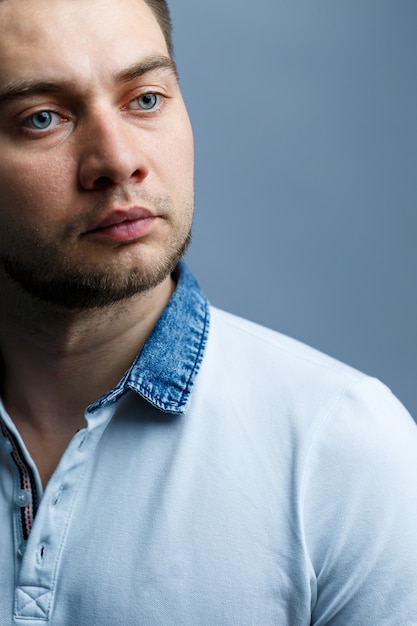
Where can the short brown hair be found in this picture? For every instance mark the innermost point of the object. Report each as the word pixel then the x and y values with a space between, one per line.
pixel 161 11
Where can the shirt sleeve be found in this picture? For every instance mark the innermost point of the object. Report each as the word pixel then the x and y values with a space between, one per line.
pixel 359 511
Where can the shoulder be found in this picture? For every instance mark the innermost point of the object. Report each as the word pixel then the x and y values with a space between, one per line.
pixel 250 345
pixel 339 423
pixel 238 331
pixel 343 450
pixel 297 386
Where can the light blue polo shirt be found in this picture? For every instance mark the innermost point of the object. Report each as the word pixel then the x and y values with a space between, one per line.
pixel 233 477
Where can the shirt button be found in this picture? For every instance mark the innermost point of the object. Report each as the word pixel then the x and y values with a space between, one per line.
pixel 23 498
pixel 7 445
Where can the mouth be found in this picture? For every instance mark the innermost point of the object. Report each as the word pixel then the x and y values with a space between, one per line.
pixel 123 225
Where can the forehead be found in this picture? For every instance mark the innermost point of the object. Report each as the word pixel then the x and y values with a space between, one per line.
pixel 61 37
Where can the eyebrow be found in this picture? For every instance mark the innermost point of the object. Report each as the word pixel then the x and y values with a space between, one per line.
pixel 150 64
pixel 27 87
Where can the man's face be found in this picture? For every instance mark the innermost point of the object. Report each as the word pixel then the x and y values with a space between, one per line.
pixel 96 155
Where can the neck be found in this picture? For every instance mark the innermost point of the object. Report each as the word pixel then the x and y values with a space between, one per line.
pixel 57 362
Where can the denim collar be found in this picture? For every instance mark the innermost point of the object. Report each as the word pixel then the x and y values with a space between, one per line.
pixel 165 369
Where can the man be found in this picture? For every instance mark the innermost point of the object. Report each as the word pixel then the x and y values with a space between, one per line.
pixel 163 462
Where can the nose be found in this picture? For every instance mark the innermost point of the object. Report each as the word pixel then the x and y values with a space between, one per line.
pixel 110 152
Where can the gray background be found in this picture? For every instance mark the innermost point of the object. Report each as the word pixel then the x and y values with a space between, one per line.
pixel 304 114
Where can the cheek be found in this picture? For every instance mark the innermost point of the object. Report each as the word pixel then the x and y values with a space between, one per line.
pixel 17 190
pixel 179 160
pixel 33 186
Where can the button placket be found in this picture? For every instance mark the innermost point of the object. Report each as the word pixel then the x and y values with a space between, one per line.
pixel 34 593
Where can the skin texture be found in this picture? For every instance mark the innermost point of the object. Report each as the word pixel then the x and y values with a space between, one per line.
pixel 85 137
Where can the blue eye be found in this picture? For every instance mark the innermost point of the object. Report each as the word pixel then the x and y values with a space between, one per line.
pixel 148 101
pixel 145 102
pixel 42 120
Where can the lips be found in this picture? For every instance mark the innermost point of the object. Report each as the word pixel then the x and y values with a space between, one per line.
pixel 123 224
pixel 120 215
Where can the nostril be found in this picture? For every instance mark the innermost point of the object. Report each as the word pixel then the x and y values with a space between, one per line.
pixel 95 176
pixel 103 181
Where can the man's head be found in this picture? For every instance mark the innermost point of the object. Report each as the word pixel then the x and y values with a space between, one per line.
pixel 96 157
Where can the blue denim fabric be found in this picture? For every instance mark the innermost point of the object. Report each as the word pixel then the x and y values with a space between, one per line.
pixel 165 369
